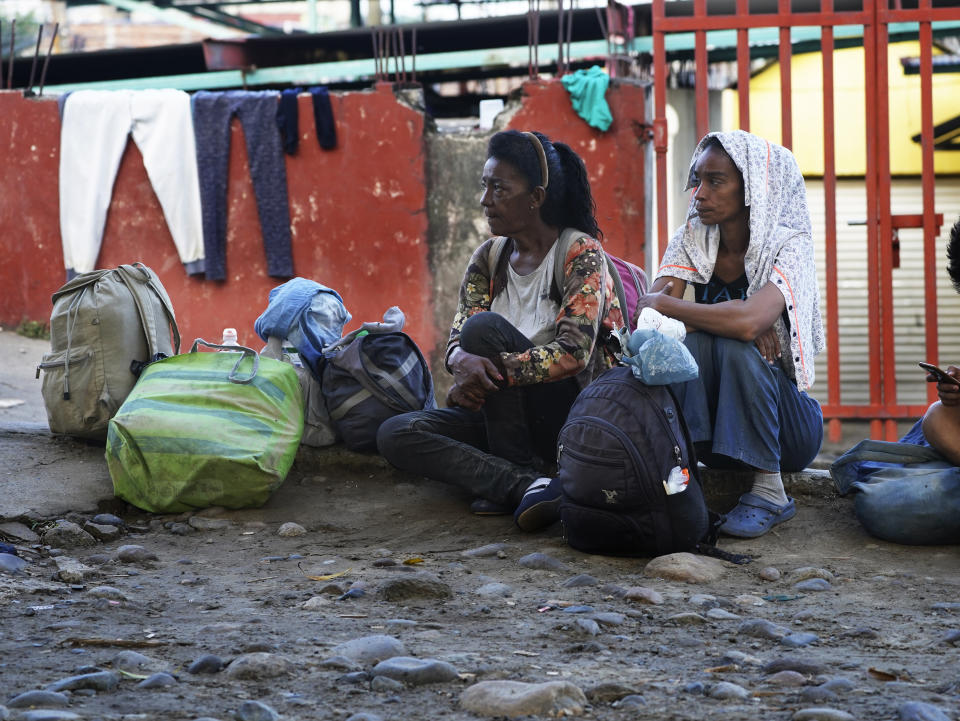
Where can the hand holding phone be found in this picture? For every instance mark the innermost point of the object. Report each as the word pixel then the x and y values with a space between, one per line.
pixel 941 375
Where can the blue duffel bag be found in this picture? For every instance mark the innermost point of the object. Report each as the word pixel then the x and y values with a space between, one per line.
pixel 906 493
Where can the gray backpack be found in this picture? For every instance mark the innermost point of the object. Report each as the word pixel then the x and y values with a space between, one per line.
pixel 104 327
pixel 372 374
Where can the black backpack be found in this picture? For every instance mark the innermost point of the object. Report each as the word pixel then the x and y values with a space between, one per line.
pixel 369 378
pixel 615 454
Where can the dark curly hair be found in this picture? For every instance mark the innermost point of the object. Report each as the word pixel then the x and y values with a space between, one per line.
pixel 953 256
pixel 569 202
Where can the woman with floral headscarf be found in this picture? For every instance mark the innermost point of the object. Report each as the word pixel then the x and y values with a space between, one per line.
pixel 747 250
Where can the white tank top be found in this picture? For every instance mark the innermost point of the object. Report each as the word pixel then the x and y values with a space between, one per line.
pixel 526 301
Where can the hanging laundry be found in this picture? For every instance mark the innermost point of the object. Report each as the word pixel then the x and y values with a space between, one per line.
pixel 257 111
pixel 587 89
pixel 288 121
pixel 323 118
pixel 93 135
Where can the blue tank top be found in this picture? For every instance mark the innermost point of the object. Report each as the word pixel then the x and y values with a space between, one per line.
pixel 716 291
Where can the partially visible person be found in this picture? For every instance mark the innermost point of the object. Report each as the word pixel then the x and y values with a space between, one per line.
pixel 941 422
pixel 754 325
pixel 520 348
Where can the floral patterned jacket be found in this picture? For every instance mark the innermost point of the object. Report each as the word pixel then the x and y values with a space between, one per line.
pixel 580 321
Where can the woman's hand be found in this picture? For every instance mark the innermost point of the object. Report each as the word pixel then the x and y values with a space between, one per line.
pixel 768 343
pixel 949 393
pixel 474 376
pixel 457 398
pixel 654 298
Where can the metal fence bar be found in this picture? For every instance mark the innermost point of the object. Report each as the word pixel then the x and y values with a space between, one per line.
pixel 930 254
pixel 786 91
pixel 743 68
pixel 660 72
pixel 881 112
pixel 701 72
pixel 872 412
pixel 834 428
pixel 692 23
pixel 875 382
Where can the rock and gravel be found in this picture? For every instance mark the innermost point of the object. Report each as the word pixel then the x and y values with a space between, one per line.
pixel 400 604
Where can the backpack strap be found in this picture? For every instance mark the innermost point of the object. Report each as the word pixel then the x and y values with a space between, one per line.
pixel 617 286
pixel 140 281
pixel 493 258
pixel 567 238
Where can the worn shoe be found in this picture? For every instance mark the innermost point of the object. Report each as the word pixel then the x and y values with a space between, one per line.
pixel 483 507
pixel 753 516
pixel 539 507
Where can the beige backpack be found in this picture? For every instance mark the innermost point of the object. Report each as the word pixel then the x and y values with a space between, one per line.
pixel 104 327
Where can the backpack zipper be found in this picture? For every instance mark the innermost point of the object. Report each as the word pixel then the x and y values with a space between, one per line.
pixel 65 364
pixel 594 461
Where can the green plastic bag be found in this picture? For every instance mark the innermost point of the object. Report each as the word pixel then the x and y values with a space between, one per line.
pixel 206 429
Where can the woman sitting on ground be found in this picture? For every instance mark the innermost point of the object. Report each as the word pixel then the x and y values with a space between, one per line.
pixel 940 425
pixel 520 349
pixel 755 323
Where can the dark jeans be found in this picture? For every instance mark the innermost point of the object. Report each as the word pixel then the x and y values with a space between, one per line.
pixel 744 412
pixel 493 453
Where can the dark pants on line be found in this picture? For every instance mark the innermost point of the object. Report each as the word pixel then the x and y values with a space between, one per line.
pixel 743 412
pixel 491 453
pixel 256 111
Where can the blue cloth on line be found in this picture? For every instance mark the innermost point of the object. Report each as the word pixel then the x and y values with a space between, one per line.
pixel 287 119
pixel 323 118
pixel 587 89
pixel 307 313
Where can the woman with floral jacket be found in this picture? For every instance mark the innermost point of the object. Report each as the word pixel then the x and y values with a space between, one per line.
pixel 520 347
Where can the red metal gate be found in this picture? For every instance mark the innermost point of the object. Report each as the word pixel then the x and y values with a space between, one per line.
pixel 882 410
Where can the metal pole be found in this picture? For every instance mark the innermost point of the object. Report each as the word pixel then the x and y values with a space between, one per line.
pixel 881 110
pixel 46 61
pixel 701 72
pixel 875 382
pixel 13 35
pixel 786 91
pixel 834 427
pixel 660 71
pixel 743 67
pixel 403 59
pixel 928 179
pixel 33 65
pixel 559 38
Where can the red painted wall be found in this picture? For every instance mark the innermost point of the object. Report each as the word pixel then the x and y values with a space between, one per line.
pixel 358 213
pixel 357 216
pixel 614 159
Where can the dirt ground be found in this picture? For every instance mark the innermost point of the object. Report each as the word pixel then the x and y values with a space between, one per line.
pixel 226 583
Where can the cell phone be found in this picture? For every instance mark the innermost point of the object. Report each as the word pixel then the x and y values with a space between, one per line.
pixel 941 375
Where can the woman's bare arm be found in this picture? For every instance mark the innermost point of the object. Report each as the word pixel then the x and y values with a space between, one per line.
pixel 744 320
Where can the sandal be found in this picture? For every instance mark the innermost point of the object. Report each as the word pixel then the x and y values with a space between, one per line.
pixel 539 507
pixel 753 516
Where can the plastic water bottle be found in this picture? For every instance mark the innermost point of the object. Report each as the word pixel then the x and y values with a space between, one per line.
pixel 290 346
pixel 229 338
